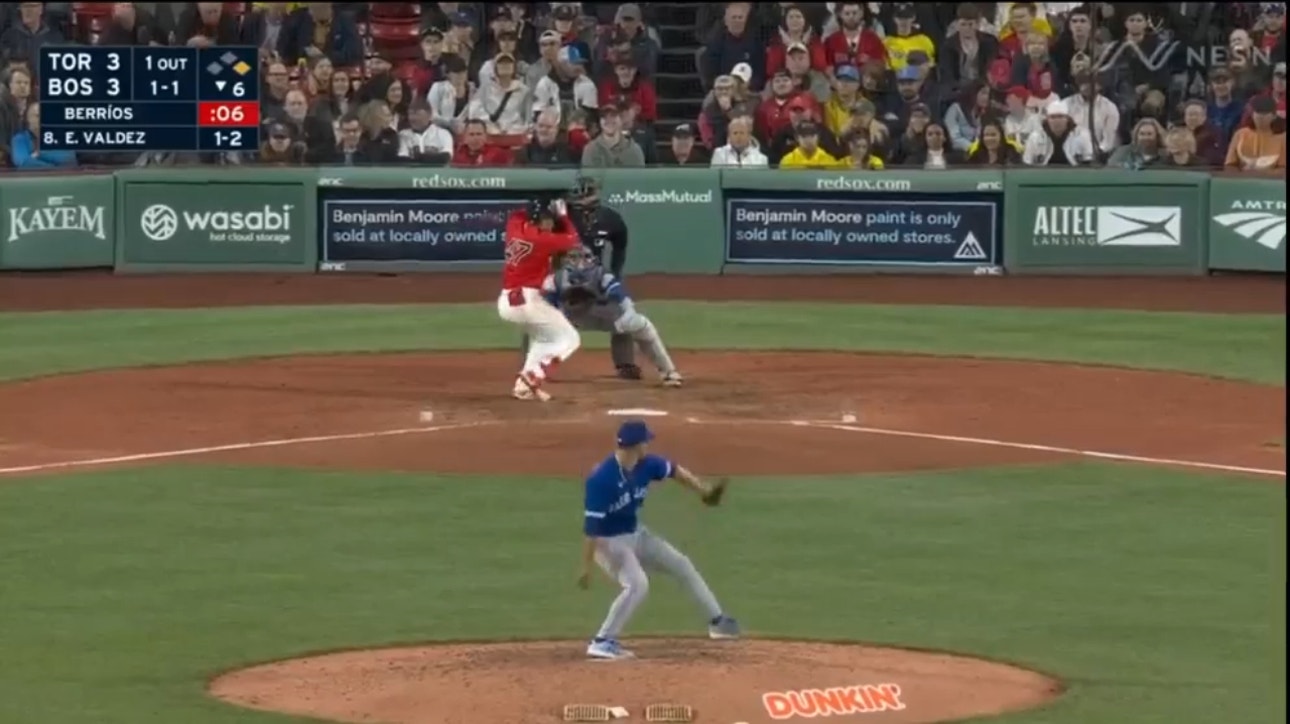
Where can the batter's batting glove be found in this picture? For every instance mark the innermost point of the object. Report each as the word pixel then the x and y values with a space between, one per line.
pixel 713 497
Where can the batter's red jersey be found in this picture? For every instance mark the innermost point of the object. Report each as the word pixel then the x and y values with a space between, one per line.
pixel 528 250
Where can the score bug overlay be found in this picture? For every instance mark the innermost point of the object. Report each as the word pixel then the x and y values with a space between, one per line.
pixel 149 99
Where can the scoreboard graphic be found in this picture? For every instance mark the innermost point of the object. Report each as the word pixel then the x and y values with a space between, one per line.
pixel 146 99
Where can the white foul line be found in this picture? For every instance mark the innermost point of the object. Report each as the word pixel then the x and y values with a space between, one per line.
pixel 1041 448
pixel 231 447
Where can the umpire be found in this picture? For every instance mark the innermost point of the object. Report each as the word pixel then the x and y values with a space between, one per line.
pixel 602 232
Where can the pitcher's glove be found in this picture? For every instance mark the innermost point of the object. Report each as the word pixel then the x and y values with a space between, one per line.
pixel 713 497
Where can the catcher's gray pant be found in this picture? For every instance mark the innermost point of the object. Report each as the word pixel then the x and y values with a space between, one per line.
pixel 626 557
pixel 622 319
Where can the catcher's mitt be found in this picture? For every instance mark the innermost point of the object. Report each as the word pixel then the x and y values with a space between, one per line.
pixel 578 297
pixel 713 497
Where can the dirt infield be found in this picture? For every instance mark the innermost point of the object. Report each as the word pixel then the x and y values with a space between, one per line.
pixel 735 416
pixel 531 683
pixel 101 290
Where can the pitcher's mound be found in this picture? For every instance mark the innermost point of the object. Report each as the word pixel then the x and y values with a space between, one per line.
pixel 723 682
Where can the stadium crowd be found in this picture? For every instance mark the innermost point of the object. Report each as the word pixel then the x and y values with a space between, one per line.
pixel 866 86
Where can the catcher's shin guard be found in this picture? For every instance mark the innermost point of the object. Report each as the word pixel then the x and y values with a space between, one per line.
pixel 622 349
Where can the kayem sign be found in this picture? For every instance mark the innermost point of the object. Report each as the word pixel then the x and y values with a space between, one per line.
pixel 833 701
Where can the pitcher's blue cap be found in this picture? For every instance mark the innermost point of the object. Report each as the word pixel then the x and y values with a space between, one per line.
pixel 633 432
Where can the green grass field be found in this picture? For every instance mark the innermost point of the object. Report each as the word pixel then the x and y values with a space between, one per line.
pixel 1156 595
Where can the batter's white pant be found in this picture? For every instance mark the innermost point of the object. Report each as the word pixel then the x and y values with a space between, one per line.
pixel 626 557
pixel 553 337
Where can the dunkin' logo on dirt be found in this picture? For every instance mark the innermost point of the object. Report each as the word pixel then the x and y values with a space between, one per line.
pixel 833 701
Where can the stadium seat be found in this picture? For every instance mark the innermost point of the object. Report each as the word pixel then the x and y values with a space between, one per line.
pixel 89 20
pixel 396 39
pixel 378 12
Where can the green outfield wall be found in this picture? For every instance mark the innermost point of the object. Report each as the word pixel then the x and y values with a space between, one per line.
pixel 685 221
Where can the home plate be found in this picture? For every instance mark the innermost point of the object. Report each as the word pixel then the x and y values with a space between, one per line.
pixel 636 412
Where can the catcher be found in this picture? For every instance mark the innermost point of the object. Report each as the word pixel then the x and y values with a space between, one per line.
pixel 594 300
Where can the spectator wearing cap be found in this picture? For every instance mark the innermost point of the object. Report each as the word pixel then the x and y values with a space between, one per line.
pixel 567 86
pixel 681 150
pixel 773 113
pixel 429 67
pixel 474 150
pixel 906 38
pixel 507 44
pixel 731 44
pixel 28 34
pixel 741 150
pixel 1269 35
pixel 564 21
pixel 26 150
pixel 1275 91
pixel 279 147
pixel 964 117
pixel 1225 108
pixel 808 154
pixel 503 102
pixel 627 85
pixel 1146 147
pixel 1058 141
pixel 846 91
pixel 549 44
pixel 318 30
pixel 721 105
pixel 907 146
pixel 1035 70
pixel 546 148
pixel 1018 21
pixel 860 155
pixel 1208 138
pixel 854 43
pixel 1019 120
pixel 805 78
pixel 440 14
pixel 613 148
pixel 1260 146
pixel 629 25
pixel 799 114
pixel 794 30
pixel 638 130
pixel 864 119
pixel 909 93
pixel 967 52
pixel 1088 106
pixel 525 32
pixel 451 96
pixel 422 142
pixel 994 148
pixel 1180 150
pixel 379 69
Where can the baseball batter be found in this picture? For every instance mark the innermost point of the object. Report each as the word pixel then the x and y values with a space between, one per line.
pixel 595 300
pixel 624 549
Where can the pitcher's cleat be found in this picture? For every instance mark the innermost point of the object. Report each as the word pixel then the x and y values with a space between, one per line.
pixel 608 650
pixel 723 628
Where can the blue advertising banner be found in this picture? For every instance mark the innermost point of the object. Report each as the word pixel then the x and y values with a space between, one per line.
pixel 435 230
pixel 923 230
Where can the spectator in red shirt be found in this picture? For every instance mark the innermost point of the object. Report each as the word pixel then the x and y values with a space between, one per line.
pixel 1021 20
pixel 475 150
pixel 773 114
pixel 853 44
pixel 1270 38
pixel 627 85
pixel 794 30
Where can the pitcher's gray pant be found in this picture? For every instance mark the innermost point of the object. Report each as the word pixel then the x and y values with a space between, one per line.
pixel 626 557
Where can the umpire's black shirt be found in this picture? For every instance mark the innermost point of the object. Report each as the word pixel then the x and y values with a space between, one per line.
pixel 602 228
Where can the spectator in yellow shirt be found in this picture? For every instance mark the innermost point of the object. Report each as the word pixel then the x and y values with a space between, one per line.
pixel 808 153
pixel 846 91
pixel 861 157
pixel 906 39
